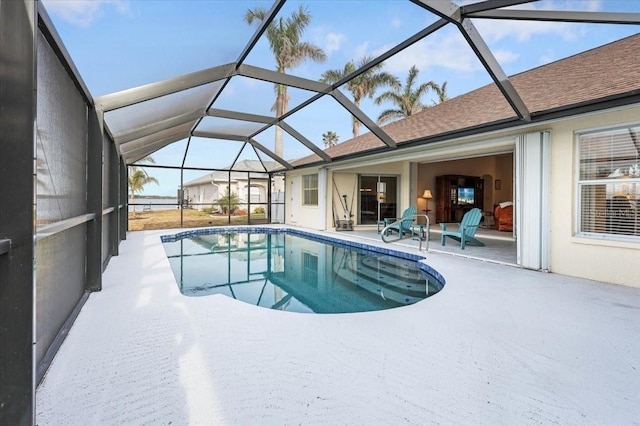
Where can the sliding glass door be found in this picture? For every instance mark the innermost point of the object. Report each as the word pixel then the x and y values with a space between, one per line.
pixel 378 198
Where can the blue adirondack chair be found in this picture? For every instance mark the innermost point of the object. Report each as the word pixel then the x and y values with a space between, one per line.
pixel 466 229
pixel 404 226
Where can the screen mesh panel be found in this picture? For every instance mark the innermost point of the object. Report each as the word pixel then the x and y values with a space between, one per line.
pixel 61 141
pixel 128 119
pixel 62 126
pixel 228 127
pixel 60 280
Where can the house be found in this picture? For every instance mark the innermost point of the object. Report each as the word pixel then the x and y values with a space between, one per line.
pixel 572 172
pixel 251 188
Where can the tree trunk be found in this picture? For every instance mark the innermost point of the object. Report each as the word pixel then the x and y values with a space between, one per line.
pixel 133 201
pixel 281 109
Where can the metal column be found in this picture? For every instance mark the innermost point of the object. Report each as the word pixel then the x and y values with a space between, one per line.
pixel 18 106
pixel 123 222
pixel 94 202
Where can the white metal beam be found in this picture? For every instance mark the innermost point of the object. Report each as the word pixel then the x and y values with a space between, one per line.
pixel 560 16
pixel 281 78
pixel 182 131
pixel 235 115
pixel 216 135
pixel 161 88
pixel 159 126
pixel 138 153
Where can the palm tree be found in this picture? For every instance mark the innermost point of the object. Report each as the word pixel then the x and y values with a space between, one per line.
pixel 362 86
pixel 441 91
pixel 137 180
pixel 284 37
pixel 228 202
pixel 407 101
pixel 330 139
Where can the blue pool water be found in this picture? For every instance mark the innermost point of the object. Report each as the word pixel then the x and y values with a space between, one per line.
pixel 296 271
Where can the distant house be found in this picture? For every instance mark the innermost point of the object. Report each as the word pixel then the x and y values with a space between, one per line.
pixel 247 179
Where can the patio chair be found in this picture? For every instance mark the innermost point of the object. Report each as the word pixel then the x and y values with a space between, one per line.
pixel 466 229
pixel 404 226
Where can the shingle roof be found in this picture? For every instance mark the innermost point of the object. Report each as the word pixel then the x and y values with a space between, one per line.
pixel 597 74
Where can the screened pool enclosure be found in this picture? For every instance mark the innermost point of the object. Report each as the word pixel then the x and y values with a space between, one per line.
pixel 66 155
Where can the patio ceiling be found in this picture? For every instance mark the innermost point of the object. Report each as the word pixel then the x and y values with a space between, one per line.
pixel 145 119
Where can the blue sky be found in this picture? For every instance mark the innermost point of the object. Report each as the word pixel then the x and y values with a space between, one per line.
pixel 120 44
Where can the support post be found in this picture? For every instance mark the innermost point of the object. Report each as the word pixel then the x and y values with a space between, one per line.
pixel 123 222
pixel 95 149
pixel 18 31
pixel 114 198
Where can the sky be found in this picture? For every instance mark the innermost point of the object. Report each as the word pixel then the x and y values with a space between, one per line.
pixel 121 44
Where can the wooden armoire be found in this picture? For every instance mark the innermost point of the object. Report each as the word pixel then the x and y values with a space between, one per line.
pixel 448 208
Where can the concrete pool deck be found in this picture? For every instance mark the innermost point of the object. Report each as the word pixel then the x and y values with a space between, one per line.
pixel 498 345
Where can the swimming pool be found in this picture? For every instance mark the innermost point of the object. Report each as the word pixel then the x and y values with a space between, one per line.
pixel 293 270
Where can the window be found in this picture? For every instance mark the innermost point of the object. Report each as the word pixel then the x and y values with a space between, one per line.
pixel 310 190
pixel 310 269
pixel 252 194
pixel 609 183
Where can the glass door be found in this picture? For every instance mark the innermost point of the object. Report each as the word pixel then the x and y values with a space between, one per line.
pixel 378 198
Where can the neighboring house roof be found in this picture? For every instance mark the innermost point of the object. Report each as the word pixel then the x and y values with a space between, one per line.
pixel 586 81
pixel 242 167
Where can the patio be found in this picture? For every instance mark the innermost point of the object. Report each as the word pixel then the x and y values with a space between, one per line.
pixel 500 247
pixel 499 345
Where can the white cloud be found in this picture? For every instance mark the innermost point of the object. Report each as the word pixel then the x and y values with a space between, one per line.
pixel 505 57
pixel 448 51
pixel 333 42
pixel 396 23
pixel 582 5
pixel 522 31
pixel 83 12
pixel 361 51
pixel 495 30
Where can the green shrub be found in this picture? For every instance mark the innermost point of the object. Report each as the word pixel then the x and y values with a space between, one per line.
pixel 259 210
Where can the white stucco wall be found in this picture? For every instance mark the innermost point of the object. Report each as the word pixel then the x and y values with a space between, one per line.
pixel 295 212
pixel 345 183
pixel 610 261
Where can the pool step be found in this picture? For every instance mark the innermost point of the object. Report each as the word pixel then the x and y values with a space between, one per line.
pixel 391 267
pixel 376 288
pixel 388 277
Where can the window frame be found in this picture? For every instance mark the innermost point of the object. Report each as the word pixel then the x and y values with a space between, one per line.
pixel 308 190
pixel 581 183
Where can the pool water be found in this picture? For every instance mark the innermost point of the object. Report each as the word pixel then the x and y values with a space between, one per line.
pixel 284 271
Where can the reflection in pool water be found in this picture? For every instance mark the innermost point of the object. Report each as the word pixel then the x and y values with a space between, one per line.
pixel 279 270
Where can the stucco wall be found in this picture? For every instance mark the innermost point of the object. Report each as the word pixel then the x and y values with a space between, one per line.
pixel 609 261
pixel 339 183
pixel 295 212
pixel 346 180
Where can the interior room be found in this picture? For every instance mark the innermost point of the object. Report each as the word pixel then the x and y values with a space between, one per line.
pixel 456 186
